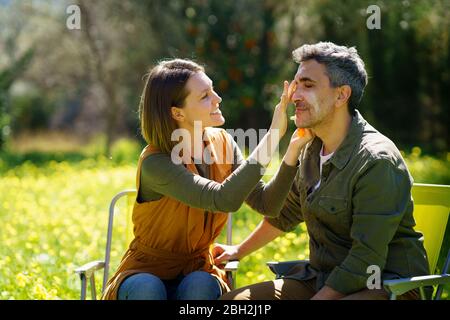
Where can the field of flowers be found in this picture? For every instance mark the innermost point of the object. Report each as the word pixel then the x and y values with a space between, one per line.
pixel 54 219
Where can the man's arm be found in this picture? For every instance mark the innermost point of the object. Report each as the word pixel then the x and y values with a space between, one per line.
pixel 262 235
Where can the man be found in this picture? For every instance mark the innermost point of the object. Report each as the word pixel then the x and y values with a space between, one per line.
pixel 352 189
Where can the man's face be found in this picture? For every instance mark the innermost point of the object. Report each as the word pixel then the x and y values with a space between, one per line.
pixel 314 97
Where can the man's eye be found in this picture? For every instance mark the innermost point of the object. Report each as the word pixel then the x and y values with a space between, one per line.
pixel 308 85
pixel 205 96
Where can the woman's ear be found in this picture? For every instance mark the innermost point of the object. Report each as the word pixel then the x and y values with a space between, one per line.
pixel 344 93
pixel 177 114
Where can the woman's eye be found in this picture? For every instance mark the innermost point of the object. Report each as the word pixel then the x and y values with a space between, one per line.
pixel 308 85
pixel 205 96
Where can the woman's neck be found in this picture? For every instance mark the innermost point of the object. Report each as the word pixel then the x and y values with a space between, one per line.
pixel 194 145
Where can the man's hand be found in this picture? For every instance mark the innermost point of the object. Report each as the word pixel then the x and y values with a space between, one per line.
pixel 328 293
pixel 221 253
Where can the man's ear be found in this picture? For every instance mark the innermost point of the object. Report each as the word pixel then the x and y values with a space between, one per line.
pixel 344 93
pixel 177 114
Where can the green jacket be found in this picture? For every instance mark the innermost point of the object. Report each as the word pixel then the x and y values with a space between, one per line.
pixel 361 215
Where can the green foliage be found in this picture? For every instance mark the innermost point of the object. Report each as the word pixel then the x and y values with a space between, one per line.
pixel 31 112
pixel 428 169
pixel 7 77
pixel 125 151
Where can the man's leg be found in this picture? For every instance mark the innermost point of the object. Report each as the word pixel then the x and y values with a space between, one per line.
pixel 380 294
pixel 280 289
pixel 368 294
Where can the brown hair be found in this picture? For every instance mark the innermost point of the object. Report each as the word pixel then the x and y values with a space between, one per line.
pixel 164 88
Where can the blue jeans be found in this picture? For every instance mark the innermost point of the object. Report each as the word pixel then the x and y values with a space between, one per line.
pixel 198 285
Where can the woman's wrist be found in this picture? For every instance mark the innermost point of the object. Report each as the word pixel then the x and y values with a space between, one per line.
pixel 266 148
pixel 292 155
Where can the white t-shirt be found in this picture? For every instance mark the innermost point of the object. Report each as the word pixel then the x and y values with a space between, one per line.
pixel 323 159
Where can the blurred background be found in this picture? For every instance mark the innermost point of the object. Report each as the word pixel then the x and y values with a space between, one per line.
pixel 69 129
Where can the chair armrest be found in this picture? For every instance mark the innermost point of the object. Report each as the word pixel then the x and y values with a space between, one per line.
pixel 232 265
pixel 281 268
pixel 89 268
pixel 400 286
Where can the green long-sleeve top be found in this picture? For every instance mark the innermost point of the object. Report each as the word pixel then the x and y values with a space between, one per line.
pixel 161 177
pixel 361 214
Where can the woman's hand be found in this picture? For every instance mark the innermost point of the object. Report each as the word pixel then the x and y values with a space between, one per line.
pixel 279 119
pixel 299 139
pixel 221 253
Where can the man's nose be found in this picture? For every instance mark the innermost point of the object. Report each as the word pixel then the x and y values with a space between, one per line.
pixel 298 95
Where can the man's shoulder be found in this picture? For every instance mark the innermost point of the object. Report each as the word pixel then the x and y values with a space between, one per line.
pixel 377 149
pixel 376 146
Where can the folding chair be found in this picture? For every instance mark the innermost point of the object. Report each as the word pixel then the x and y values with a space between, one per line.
pixel 431 212
pixel 87 271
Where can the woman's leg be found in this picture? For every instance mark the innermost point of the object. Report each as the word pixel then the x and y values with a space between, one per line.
pixel 198 285
pixel 142 286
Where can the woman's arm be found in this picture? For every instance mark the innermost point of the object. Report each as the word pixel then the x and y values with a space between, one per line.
pixel 268 198
pixel 160 175
pixel 163 176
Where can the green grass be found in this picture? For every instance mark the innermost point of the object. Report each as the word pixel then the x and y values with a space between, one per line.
pixel 54 206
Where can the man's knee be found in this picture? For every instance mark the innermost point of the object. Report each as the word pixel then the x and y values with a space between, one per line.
pixel 259 291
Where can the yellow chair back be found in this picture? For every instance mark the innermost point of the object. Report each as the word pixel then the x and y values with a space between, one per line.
pixel 431 212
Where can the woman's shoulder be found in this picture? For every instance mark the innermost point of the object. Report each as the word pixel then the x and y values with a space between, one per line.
pixel 158 160
pixel 158 166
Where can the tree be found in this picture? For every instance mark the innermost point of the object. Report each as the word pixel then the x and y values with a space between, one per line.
pixel 17 64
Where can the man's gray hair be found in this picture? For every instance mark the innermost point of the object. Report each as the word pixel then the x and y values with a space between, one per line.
pixel 343 64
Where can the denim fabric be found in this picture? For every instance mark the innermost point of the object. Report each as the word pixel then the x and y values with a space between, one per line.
pixel 198 285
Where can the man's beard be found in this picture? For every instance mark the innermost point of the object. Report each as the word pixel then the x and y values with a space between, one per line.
pixel 317 113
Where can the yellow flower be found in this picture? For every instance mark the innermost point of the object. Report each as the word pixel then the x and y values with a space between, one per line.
pixel 39 291
pixel 416 151
pixel 291 235
pixel 261 277
pixel 21 280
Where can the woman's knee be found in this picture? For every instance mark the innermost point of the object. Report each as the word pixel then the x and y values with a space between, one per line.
pixel 199 285
pixel 142 286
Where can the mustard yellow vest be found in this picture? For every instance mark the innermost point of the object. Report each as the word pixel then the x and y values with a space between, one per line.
pixel 170 237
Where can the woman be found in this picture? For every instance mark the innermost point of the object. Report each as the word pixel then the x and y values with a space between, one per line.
pixel 181 207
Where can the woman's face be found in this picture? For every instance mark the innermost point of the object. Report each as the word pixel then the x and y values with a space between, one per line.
pixel 201 104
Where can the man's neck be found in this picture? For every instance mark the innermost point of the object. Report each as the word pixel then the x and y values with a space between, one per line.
pixel 333 131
